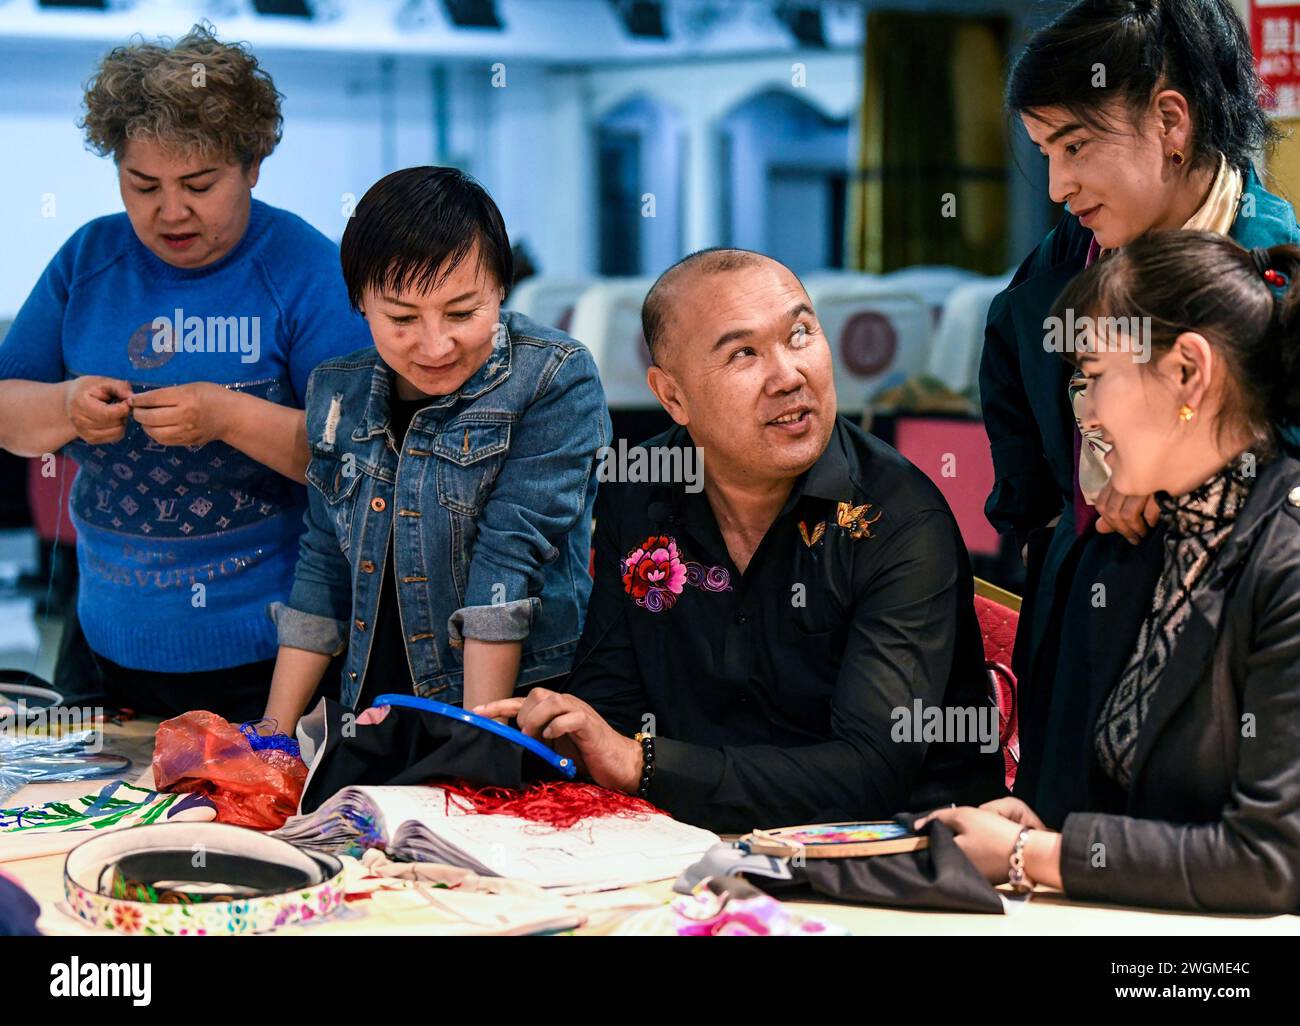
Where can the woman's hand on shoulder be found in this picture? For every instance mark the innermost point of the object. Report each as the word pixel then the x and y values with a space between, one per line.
pixel 1132 516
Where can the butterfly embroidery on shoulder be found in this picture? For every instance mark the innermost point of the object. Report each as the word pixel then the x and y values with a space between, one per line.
pixel 655 573
pixel 811 539
pixel 855 520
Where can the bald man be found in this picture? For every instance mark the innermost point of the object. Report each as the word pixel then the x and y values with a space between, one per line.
pixel 794 642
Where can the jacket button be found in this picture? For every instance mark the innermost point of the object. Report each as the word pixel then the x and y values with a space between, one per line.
pixel 361 625
pixel 367 567
pixel 352 674
pixel 377 504
pixel 1294 497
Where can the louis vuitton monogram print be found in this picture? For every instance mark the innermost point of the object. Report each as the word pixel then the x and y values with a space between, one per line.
pixel 140 487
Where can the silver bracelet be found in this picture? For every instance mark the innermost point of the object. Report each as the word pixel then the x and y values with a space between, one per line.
pixel 1020 883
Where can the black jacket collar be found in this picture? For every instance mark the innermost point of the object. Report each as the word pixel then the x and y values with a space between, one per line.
pixel 1130 584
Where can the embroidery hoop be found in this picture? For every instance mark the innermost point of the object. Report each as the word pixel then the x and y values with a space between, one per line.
pixel 454 712
pixel 25 687
pixel 88 861
pixel 787 842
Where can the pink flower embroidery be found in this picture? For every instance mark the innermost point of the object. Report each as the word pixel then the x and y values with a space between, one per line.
pixel 654 574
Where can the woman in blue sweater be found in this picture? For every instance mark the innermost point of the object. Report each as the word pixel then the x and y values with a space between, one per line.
pixel 168 348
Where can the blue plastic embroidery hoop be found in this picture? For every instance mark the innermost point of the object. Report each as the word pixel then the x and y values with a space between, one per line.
pixel 454 712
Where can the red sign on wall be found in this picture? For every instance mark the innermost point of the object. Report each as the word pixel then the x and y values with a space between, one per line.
pixel 1275 38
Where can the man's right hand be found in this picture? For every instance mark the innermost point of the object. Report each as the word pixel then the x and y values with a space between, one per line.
pixel 575 729
pixel 97 408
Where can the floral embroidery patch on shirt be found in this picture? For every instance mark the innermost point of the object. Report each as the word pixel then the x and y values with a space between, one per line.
pixel 654 574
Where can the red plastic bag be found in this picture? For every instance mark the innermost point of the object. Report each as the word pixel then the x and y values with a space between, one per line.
pixel 200 751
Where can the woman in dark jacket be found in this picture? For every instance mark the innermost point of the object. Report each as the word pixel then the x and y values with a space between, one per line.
pixel 1147 113
pixel 1194 777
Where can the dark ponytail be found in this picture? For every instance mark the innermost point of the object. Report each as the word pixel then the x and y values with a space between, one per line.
pixel 1198 47
pixel 1204 282
pixel 1278 371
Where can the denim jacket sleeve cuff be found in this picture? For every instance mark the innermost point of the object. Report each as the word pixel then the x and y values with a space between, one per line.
pixel 508 621
pixel 308 631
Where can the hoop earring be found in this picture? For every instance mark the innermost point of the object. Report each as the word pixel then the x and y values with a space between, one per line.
pixel 1178 158
pixel 1186 413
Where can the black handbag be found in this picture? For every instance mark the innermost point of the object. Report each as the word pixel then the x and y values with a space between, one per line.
pixel 938 877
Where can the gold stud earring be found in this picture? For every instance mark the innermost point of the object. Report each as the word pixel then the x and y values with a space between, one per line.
pixel 1178 158
pixel 1186 413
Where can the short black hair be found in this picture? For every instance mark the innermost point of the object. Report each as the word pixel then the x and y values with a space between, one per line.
pixel 1198 47
pixel 654 309
pixel 413 227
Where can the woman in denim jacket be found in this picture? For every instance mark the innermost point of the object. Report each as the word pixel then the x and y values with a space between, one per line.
pixel 452 469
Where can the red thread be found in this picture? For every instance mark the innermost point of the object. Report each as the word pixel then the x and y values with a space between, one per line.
pixel 560 805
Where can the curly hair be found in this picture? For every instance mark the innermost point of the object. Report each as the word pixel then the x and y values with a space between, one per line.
pixel 197 95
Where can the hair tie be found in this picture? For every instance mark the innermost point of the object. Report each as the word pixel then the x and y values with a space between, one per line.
pixel 1262 262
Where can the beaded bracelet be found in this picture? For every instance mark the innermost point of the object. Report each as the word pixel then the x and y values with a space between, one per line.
pixel 1020 883
pixel 647 742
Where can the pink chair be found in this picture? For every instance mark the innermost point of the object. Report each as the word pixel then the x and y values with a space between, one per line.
pixel 998 613
pixel 45 496
pixel 955 454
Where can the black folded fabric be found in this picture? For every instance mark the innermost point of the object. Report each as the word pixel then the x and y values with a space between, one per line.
pixel 939 878
pixel 412 746
pixel 245 876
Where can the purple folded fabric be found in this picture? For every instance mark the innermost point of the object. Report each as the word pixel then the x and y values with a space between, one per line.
pixel 18 910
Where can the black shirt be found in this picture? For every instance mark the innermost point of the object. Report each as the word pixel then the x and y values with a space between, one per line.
pixel 389 670
pixel 772 694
